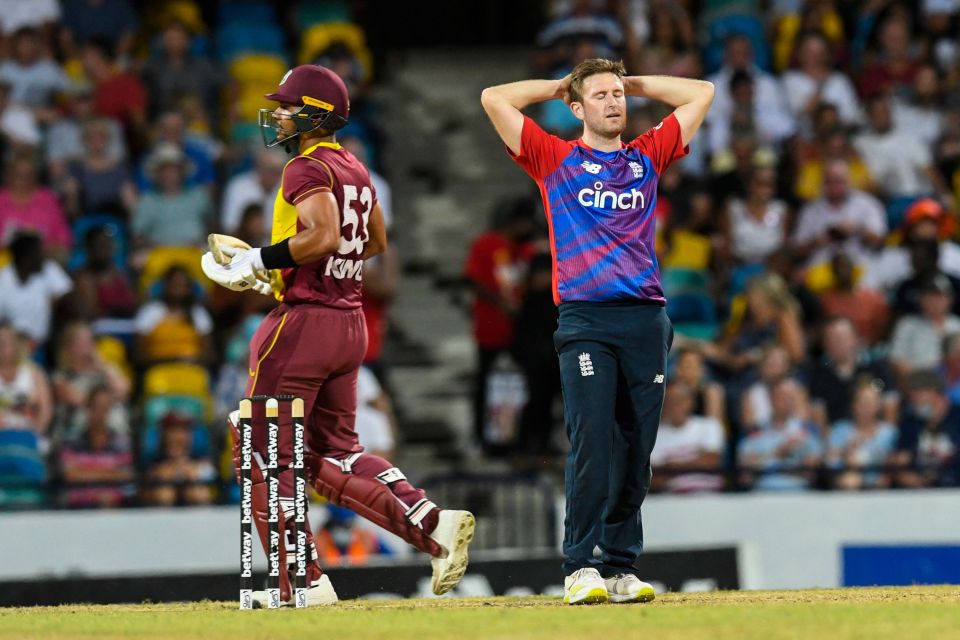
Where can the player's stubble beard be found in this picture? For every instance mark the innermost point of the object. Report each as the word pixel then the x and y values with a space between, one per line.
pixel 286 129
pixel 602 127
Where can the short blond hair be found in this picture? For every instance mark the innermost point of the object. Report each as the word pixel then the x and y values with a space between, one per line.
pixel 591 67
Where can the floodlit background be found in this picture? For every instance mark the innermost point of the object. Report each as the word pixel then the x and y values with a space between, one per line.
pixel 811 429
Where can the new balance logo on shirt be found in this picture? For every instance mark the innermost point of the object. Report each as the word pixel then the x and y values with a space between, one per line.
pixel 586 365
pixel 658 379
pixel 591 167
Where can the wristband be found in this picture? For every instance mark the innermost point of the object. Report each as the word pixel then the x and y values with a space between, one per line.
pixel 278 256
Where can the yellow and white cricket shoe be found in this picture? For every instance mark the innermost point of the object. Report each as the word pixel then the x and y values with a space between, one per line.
pixel 454 532
pixel 584 586
pixel 319 594
pixel 627 587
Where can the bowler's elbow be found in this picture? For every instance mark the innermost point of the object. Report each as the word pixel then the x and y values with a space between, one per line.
pixel 707 90
pixel 489 98
pixel 703 98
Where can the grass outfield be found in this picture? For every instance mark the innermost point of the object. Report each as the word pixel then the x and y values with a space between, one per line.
pixel 836 614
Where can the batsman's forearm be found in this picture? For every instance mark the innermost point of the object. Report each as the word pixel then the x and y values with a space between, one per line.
pixel 372 248
pixel 313 244
pixel 674 91
pixel 524 93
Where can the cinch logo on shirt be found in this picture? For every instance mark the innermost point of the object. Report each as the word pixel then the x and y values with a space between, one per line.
pixel 601 199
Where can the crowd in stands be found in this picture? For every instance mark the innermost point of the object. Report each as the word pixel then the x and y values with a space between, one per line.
pixel 128 132
pixel 808 242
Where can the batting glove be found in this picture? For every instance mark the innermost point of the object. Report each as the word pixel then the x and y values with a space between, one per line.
pixel 233 279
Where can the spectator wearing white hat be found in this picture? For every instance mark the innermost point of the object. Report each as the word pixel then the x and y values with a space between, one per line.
pixel 175 214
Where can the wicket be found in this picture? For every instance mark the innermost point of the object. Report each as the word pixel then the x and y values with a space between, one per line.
pixel 299 506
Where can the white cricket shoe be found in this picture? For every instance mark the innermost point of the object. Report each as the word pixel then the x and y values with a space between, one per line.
pixel 584 586
pixel 319 594
pixel 454 532
pixel 627 587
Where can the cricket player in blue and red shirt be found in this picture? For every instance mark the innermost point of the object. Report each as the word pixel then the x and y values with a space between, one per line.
pixel 613 336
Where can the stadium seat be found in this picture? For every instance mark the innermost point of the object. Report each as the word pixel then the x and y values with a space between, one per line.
pixel 156 290
pixel 693 315
pixel 22 470
pixel 742 275
pixel 725 26
pixel 150 443
pixel 897 210
pixel 227 471
pixel 20 455
pixel 246 134
pixel 692 307
pixel 246 13
pixel 157 407
pixel 236 39
pixel 318 38
pixel 688 250
pixel 200 45
pixel 820 278
pixel 258 68
pixel 696 330
pixel 249 99
pixel 679 281
pixel 84 225
pixel 113 350
pixel 310 13
pixel 186 12
pixel 159 260
pixel 177 378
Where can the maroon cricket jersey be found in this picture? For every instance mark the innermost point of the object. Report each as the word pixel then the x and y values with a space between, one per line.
pixel 334 281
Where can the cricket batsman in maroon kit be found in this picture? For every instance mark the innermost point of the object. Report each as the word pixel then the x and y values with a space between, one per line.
pixel 327 221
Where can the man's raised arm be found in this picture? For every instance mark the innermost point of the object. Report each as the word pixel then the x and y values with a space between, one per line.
pixel 691 98
pixel 504 102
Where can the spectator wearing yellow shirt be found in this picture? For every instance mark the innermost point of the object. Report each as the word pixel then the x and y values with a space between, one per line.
pixel 836 146
pixel 176 326
pixel 817 16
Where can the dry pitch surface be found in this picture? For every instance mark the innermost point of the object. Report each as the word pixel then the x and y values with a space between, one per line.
pixel 898 613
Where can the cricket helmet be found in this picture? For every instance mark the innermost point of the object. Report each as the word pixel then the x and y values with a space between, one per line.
pixel 320 98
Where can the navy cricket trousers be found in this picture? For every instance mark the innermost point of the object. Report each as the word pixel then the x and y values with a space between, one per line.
pixel 613 360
